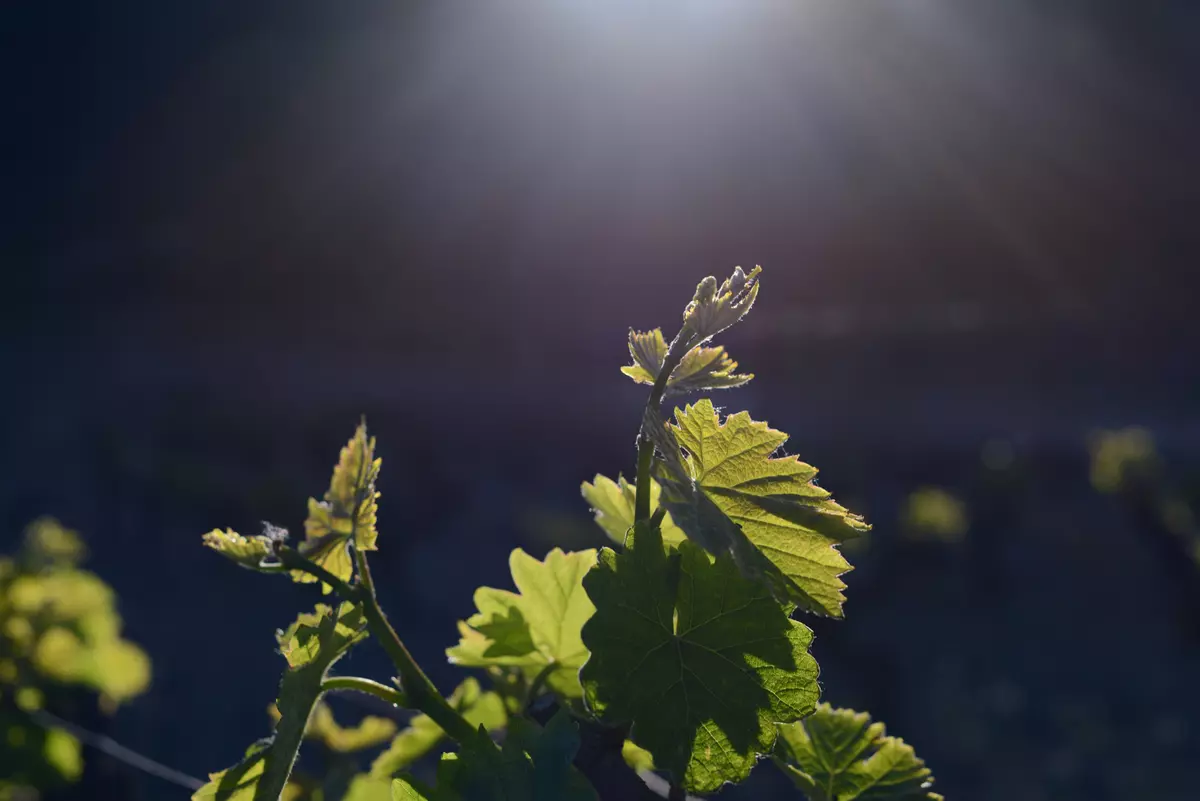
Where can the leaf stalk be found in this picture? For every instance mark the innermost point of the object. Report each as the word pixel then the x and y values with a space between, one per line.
pixel 368 686
pixel 420 692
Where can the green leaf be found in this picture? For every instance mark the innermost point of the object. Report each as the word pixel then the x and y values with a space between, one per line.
pixel 238 783
pixel 319 638
pixel 729 494
pixel 63 753
pixel 402 791
pixel 370 731
pixel 422 734
pixel 533 765
pixel 364 787
pixel 538 626
pixel 701 661
pixel 840 755
pixel 636 757
pixel 700 369
pixel 612 503
pixel 348 512
pixel 249 552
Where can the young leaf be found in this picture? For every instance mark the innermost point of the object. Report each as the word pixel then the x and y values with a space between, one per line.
pixel 840 755
pixel 249 552
pixel 700 370
pixel 728 493
pixel 612 503
pixel 348 513
pixel 537 628
pixel 701 661
pixel 713 308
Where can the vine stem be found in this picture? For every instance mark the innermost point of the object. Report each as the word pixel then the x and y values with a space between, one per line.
pixel 418 689
pixel 675 353
pixel 368 686
pixel 290 559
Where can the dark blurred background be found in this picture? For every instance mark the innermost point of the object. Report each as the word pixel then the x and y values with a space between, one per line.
pixel 230 228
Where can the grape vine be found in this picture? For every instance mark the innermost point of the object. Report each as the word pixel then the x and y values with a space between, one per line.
pixel 673 652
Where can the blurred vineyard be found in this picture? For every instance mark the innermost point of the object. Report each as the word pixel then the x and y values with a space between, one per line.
pixel 1028 616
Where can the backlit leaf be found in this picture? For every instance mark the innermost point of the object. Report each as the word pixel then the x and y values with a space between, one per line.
pixel 237 783
pixel 347 515
pixel 728 493
pixel 370 731
pixel 534 764
pixel 401 791
pixel 702 368
pixel 536 627
pixel 636 757
pixel 64 754
pixel 612 503
pixel 248 552
pixel 840 755
pixel 701 661
pixel 715 308
pixel 422 734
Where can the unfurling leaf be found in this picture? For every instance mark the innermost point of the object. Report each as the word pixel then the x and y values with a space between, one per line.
pixel 536 628
pixel 701 661
pixel 840 755
pixel 703 368
pixel 249 552
pixel 612 503
pixel 713 308
pixel 347 515
pixel 729 494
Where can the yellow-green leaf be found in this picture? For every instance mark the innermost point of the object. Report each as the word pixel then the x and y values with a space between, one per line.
pixel 537 628
pixel 701 369
pixel 347 515
pixel 63 753
pixel 731 495
pixel 840 755
pixel 370 731
pixel 238 783
pixel 713 308
pixel 248 552
pixel 612 504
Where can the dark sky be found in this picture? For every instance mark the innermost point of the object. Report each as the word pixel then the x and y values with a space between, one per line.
pixel 405 169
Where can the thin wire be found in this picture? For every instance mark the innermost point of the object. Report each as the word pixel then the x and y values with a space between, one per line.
pixel 117 751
